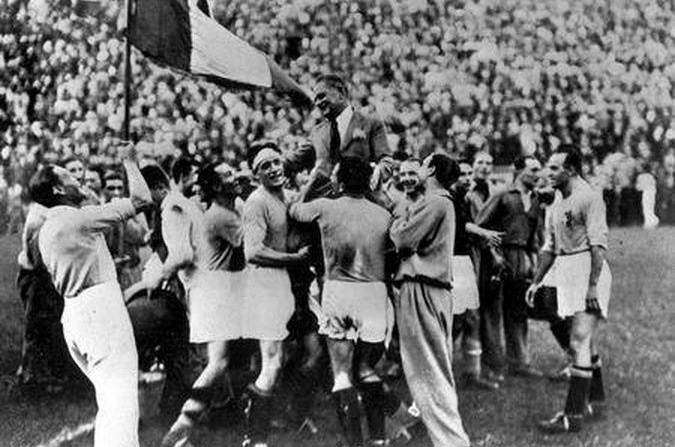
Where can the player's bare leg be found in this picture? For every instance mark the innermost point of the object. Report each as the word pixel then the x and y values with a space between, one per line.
pixel 200 395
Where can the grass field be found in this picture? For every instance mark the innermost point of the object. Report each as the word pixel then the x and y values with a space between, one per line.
pixel 637 344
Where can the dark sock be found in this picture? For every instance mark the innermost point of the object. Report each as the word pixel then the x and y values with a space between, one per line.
pixel 577 394
pixel 597 391
pixel 203 396
pixel 390 400
pixel 258 413
pixel 372 394
pixel 347 409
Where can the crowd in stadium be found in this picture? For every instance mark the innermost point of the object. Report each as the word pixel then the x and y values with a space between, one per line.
pixel 453 75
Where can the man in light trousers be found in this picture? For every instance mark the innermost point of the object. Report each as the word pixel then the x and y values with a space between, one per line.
pixel 424 233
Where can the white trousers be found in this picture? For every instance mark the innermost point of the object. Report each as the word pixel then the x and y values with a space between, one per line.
pixel 100 339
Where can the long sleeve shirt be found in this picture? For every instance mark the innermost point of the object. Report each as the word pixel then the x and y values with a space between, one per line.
pixel 73 247
pixel 505 211
pixel 424 233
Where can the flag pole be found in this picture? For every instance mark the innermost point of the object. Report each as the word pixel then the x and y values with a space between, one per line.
pixel 127 72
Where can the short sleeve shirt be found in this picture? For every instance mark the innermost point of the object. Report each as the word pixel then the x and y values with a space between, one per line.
pixel 576 223
pixel 354 235
pixel 224 233
pixel 265 221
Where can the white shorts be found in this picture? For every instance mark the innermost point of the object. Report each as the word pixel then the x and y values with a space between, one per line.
pixel 268 303
pixel 355 310
pixel 215 304
pixel 464 285
pixel 569 274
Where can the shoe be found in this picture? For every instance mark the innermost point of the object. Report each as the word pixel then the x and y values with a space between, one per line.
pixel 397 425
pixel 595 411
pixel 494 376
pixel 249 443
pixel 475 381
pixel 527 371
pixel 561 423
pixel 177 437
pixel 309 426
pixel 561 376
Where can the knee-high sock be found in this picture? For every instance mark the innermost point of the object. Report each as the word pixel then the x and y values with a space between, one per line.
pixel 372 394
pixel 577 395
pixel 597 391
pixel 391 402
pixel 258 412
pixel 349 417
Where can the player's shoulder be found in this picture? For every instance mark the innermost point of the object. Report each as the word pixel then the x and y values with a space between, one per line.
pixel 587 193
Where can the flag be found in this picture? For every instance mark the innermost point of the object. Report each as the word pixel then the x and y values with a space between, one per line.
pixel 182 34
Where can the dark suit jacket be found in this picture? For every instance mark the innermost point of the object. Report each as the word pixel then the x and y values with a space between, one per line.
pixel 365 138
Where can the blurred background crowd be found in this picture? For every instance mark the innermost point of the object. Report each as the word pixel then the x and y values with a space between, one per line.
pixel 510 76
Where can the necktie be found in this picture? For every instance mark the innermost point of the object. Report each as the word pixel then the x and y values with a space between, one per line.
pixel 334 142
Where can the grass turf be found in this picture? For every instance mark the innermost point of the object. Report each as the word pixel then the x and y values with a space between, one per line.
pixel 637 346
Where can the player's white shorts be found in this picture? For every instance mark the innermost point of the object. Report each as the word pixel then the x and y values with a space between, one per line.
pixel 569 274
pixel 464 285
pixel 355 310
pixel 215 305
pixel 268 303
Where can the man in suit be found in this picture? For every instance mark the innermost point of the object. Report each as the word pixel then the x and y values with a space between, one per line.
pixel 343 132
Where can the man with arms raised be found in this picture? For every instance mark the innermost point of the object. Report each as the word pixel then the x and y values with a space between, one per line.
pixel 96 325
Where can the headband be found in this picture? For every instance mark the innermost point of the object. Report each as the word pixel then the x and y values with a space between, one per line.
pixel 263 155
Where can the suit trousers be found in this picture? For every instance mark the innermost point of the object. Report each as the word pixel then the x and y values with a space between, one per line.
pixel 515 322
pixel 100 339
pixel 424 318
pixel 491 313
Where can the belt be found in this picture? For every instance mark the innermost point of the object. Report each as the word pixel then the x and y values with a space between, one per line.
pixel 570 253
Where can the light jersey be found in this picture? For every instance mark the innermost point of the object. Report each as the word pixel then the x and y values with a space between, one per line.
pixel 265 221
pixel 184 233
pixel 354 233
pixel 73 247
pixel 224 234
pixel 575 223
pixel 31 230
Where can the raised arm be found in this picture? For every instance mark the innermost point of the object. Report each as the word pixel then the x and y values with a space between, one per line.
pixel 138 189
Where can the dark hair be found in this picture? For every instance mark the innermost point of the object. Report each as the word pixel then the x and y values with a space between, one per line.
pixel 95 168
pixel 258 146
pixel 207 180
pixel 464 161
pixel 334 81
pixel 446 169
pixel 300 159
pixel 155 177
pixel 412 160
pixel 70 159
pixel 41 186
pixel 573 157
pixel 181 168
pixel 521 161
pixel 354 174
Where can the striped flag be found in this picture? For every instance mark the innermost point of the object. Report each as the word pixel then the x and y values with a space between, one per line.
pixel 182 34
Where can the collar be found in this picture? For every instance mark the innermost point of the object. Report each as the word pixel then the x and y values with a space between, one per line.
pixel 343 120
